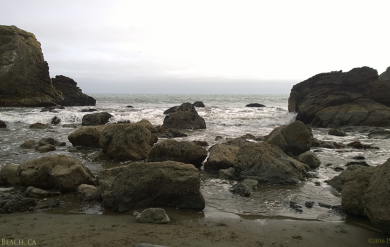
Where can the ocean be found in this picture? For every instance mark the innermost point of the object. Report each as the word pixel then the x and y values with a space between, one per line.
pixel 225 116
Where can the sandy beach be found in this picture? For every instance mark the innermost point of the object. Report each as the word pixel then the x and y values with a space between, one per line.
pixel 185 229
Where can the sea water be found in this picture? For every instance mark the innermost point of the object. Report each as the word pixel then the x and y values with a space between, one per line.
pixel 225 116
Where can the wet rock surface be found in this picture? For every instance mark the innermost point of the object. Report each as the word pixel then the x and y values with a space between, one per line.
pixel 154 216
pixel 184 117
pixel 96 119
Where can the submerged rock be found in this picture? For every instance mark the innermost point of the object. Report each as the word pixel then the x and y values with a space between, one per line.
pixel 184 117
pixel 254 105
pixel 335 99
pixel 379 134
pixel 28 144
pixel 184 151
pixel 39 126
pixel 245 187
pixel 2 124
pixel 154 216
pixel 154 184
pixel 55 172
pixel 267 163
pixel 337 132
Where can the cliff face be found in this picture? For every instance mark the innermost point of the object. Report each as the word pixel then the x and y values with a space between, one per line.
pixel 71 93
pixel 24 74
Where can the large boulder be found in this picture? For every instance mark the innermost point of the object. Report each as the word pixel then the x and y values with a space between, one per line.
pixel 71 93
pixel 126 141
pixel 184 151
pixel 184 117
pixel 95 119
pixel 221 156
pixel 155 184
pixel 267 163
pixel 293 139
pixel 377 197
pixel 59 172
pixel 355 186
pixel 310 158
pixel 334 99
pixel 24 74
pixel 87 136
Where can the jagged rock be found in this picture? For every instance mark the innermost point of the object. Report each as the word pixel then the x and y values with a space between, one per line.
pixel 153 215
pixel 376 198
pixel 198 104
pixel 34 192
pixel 71 94
pixel 293 139
pixel 126 141
pixel 154 184
pixel 87 192
pixel 2 125
pixel 95 119
pixel 9 175
pixel 335 99
pixel 221 156
pixel 245 187
pixel 28 144
pixel 267 163
pixel 88 136
pixel 185 117
pixel 55 120
pixel 337 132
pixel 184 151
pixel 254 105
pixel 355 186
pixel 55 172
pixel 39 126
pixel 310 158
pixel 24 74
pixel 10 203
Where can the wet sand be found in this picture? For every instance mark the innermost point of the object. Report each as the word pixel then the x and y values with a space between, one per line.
pixel 185 229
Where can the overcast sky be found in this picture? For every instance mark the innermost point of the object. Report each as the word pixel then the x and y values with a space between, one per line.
pixel 249 47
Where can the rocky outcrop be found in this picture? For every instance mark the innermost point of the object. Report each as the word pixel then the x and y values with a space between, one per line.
pixel 221 156
pixel 24 74
pixel 293 139
pixel 267 163
pixel 155 184
pixel 184 151
pixel 71 93
pixel 126 141
pixel 198 104
pixel 87 136
pixel 55 172
pixel 184 117
pixel 334 99
pixel 95 119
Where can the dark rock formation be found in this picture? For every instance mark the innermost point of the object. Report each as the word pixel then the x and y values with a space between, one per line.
pixel 154 216
pixel 254 105
pixel 71 93
pixel 9 175
pixel 39 126
pixel 184 151
pixel 95 119
pixel 55 172
pixel 379 134
pixel 171 109
pixel 28 144
pixel 88 110
pixel 336 132
pixel 2 125
pixel 334 99
pixel 309 158
pixel 185 117
pixel 293 139
pixel 267 163
pixel 34 192
pixel 155 184
pixel 24 74
pixel 10 203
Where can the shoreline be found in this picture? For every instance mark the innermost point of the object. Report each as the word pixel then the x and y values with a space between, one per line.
pixel 187 228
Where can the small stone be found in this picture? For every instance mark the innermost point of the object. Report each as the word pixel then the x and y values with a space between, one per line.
pixel 309 204
pixel 324 205
pixel 153 215
pixel 317 183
